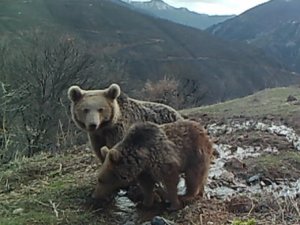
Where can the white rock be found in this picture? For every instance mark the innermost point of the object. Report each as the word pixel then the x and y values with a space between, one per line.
pixel 18 211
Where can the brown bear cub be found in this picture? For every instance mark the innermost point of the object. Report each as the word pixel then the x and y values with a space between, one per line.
pixel 105 115
pixel 151 153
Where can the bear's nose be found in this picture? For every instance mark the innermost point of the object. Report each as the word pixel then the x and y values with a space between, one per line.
pixel 92 126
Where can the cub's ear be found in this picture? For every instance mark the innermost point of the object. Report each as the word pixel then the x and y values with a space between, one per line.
pixel 75 93
pixel 114 155
pixel 113 91
pixel 104 151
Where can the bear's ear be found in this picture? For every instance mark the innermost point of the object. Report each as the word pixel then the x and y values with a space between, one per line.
pixel 114 155
pixel 113 91
pixel 75 93
pixel 104 151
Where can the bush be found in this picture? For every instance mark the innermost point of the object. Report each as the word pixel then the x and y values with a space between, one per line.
pixel 163 91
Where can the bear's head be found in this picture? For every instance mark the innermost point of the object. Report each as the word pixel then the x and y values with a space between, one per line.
pixel 93 109
pixel 112 175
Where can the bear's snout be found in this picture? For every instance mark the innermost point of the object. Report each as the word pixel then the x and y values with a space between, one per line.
pixel 92 127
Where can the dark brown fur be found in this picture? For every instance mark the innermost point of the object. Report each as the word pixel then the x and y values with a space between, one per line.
pixel 151 153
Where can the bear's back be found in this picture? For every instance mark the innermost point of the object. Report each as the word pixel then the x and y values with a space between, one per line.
pixel 134 110
pixel 189 137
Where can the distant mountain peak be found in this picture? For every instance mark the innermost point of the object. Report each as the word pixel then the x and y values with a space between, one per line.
pixel 158 4
pixel 161 9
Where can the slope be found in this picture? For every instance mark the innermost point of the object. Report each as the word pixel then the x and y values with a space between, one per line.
pixel 208 69
pixel 266 103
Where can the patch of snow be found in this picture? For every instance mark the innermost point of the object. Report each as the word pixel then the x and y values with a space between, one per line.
pixel 280 130
pixel 224 188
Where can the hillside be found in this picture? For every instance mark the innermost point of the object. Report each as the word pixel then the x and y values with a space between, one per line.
pixel 160 9
pixel 277 34
pixel 145 48
pixel 255 173
pixel 269 102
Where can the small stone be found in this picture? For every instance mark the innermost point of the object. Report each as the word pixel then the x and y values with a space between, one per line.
pixel 158 220
pixel 291 98
pixel 254 179
pixel 18 211
pixel 265 182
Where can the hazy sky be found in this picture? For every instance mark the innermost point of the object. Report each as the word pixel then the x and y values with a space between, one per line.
pixel 215 7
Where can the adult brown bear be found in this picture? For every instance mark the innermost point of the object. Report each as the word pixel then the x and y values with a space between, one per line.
pixel 106 114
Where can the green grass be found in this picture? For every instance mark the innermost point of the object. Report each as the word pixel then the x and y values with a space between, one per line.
pixel 39 186
pixel 266 102
pixel 285 164
pixel 246 222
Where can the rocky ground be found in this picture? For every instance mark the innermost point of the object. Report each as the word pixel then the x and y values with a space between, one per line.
pixel 256 171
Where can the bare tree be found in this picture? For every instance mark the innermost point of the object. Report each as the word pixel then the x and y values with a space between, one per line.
pixel 39 75
pixel 193 92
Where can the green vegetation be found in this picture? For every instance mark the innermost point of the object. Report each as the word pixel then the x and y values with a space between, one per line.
pixel 246 222
pixel 48 189
pixel 284 164
pixel 266 102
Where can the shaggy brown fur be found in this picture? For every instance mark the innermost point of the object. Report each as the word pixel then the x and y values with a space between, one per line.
pixel 106 114
pixel 151 153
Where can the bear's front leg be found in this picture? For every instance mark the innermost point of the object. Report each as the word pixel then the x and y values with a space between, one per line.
pixel 97 141
pixel 170 180
pixel 147 184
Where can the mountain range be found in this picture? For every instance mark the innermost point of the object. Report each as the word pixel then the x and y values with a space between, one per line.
pixel 160 9
pixel 208 69
pixel 273 26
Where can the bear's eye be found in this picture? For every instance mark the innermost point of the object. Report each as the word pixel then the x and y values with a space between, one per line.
pixel 86 110
pixel 100 110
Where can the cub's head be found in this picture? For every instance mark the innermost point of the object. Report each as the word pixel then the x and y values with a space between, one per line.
pixel 93 109
pixel 112 175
